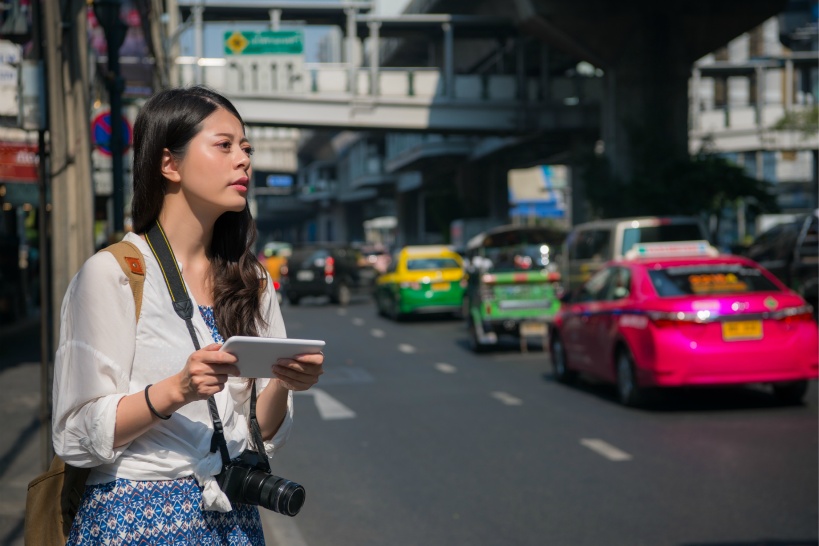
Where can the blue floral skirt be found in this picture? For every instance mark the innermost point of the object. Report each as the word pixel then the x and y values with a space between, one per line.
pixel 126 512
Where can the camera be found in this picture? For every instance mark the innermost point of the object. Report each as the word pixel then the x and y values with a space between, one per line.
pixel 246 480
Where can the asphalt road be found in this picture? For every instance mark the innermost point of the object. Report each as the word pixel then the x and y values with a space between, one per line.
pixel 411 440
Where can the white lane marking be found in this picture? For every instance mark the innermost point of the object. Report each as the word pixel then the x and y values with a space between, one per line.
pixel 328 407
pixel 341 312
pixel 605 449
pixel 506 398
pixel 358 321
pixel 377 332
pixel 406 348
pixel 283 531
pixel 443 367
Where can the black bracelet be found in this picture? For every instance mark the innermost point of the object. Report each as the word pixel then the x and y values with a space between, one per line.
pixel 151 406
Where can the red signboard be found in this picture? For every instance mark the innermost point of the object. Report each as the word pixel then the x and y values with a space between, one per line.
pixel 18 162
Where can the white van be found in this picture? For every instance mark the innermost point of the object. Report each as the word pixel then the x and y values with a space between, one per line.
pixel 590 245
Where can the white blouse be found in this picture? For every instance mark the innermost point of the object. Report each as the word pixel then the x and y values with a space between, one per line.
pixel 104 355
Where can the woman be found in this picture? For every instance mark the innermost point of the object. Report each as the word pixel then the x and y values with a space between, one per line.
pixel 130 395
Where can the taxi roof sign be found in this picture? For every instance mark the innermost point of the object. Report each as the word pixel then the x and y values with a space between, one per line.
pixel 677 249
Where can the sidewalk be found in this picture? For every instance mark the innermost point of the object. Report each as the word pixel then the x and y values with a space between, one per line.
pixel 21 445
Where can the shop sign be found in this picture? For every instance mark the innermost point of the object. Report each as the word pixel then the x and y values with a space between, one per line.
pixel 18 162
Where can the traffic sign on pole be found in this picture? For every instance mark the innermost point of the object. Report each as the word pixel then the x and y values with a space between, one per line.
pixel 283 42
pixel 101 132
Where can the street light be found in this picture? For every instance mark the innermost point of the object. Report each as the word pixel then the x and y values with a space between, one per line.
pixel 108 13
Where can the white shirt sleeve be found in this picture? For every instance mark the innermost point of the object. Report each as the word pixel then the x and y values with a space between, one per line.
pixel 93 362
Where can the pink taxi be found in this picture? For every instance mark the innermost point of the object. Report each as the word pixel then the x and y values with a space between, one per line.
pixel 680 314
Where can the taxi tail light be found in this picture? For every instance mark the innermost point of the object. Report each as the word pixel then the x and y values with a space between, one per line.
pixel 464 282
pixel 665 320
pixel 794 315
pixel 329 267
pixel 277 285
pixel 283 270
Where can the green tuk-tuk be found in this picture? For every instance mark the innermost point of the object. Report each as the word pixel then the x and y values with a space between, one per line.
pixel 513 285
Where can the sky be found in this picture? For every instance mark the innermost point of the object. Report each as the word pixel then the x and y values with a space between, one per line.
pixel 214 32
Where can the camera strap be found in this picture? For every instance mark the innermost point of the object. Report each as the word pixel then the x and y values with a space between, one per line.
pixel 255 429
pixel 183 306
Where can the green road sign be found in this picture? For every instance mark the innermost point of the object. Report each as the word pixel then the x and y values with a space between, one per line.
pixel 285 42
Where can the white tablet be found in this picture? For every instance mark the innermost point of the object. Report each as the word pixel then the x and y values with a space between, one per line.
pixel 258 354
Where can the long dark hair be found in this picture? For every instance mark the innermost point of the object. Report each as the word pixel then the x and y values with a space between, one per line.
pixel 170 119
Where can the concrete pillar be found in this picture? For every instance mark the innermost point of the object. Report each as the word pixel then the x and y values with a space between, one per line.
pixel 352 57
pixel 198 41
pixel 545 84
pixel 275 19
pixel 520 71
pixel 645 109
pixel 788 102
pixel 375 51
pixel 172 51
pixel 69 163
pixel 696 84
pixel 449 61
pixel 759 103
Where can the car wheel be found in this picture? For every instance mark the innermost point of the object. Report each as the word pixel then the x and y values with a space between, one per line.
pixel 560 365
pixel 294 300
pixel 395 311
pixel 791 393
pixel 474 341
pixel 628 391
pixel 379 304
pixel 342 295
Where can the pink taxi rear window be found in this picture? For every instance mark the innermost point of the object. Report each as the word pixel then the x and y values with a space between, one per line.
pixel 709 279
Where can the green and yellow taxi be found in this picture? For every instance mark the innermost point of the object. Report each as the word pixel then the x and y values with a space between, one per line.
pixel 421 279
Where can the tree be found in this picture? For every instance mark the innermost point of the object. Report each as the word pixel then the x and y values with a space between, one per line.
pixel 660 185
pixel 804 121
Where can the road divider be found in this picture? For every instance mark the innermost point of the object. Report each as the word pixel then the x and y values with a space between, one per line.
pixel 443 367
pixel 506 398
pixel 377 332
pixel 406 348
pixel 358 321
pixel 605 449
pixel 328 407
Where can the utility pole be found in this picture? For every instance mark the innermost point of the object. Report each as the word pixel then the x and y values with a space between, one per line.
pixel 108 15
pixel 65 52
pixel 43 247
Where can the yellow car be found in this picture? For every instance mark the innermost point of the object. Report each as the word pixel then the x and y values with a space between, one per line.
pixel 421 279
pixel 274 257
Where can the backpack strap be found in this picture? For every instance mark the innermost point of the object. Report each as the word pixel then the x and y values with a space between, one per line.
pixel 132 263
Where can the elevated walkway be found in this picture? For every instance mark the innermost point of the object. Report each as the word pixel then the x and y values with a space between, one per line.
pixel 404 99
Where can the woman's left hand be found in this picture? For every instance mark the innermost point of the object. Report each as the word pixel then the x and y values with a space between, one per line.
pixel 300 372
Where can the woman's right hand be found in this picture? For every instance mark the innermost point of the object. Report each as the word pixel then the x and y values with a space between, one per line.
pixel 206 372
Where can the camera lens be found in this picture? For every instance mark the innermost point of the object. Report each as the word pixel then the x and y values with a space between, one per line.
pixel 274 493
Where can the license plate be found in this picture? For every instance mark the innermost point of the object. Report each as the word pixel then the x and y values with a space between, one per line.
pixel 532 329
pixel 440 286
pixel 742 330
pixel 304 275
